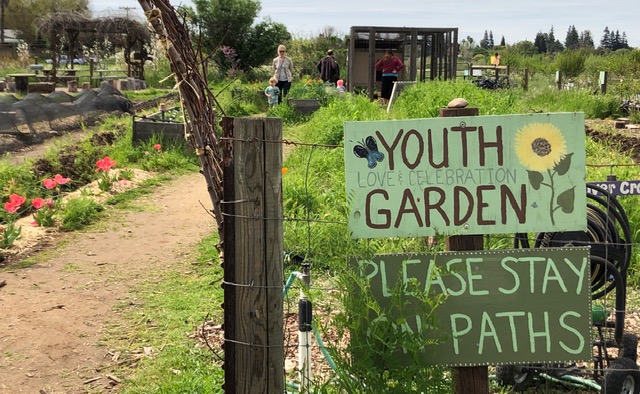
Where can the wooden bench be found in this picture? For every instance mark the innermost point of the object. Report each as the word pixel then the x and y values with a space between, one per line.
pixel 41 87
pixel 108 78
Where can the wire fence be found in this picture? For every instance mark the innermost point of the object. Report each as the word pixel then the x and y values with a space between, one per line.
pixel 318 245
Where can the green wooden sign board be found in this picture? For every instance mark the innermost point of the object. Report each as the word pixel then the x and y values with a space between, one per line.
pixel 466 175
pixel 521 306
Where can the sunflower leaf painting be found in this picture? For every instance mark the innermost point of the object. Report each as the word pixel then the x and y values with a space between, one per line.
pixel 542 149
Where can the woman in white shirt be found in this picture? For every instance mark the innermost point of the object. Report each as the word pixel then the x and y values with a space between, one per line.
pixel 283 71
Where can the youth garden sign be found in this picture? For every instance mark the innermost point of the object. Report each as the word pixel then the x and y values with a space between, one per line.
pixel 509 306
pixel 466 175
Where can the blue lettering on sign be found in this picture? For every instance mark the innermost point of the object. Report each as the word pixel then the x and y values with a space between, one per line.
pixel 616 188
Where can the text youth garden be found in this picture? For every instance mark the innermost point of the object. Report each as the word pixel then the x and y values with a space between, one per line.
pixel 527 305
pixel 467 175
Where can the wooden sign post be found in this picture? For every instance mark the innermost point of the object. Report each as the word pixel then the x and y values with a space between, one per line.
pixel 467 379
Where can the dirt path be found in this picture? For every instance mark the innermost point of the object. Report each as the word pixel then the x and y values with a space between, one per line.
pixel 52 315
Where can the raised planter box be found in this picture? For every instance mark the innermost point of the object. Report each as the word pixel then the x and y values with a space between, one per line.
pixel 146 127
pixel 305 106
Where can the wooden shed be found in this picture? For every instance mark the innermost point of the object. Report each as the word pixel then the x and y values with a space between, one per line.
pixel 428 53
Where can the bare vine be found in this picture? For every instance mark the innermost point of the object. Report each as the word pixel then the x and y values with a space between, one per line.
pixel 198 102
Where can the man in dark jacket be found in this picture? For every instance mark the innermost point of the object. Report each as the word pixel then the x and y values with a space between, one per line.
pixel 328 68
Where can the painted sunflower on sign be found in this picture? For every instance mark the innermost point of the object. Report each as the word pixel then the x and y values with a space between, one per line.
pixel 540 146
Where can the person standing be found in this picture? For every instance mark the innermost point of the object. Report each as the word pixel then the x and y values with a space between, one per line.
pixel 389 65
pixel 328 68
pixel 272 92
pixel 283 72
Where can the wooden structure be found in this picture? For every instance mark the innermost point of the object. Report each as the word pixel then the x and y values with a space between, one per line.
pixel 253 256
pixel 21 80
pixel 76 30
pixel 428 53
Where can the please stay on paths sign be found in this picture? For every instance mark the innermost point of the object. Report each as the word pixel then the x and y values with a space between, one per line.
pixel 499 307
pixel 466 175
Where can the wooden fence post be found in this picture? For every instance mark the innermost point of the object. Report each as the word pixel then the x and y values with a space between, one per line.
pixel 467 380
pixel 602 79
pixel 253 255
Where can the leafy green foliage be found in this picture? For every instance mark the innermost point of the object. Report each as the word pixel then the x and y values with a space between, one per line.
pixel 327 124
pixel 570 63
pixel 287 113
pixel 307 52
pixel 79 212
pixel 228 32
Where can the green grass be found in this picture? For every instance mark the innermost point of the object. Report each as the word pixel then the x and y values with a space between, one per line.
pixel 170 306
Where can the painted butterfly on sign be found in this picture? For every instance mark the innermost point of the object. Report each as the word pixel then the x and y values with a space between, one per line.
pixel 369 150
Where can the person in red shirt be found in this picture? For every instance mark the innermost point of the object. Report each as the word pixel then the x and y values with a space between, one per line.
pixel 389 65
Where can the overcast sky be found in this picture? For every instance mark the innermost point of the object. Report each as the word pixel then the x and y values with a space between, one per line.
pixel 516 20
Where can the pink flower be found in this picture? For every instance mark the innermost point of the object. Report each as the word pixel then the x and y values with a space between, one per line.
pixel 16 199
pixel 10 207
pixel 157 147
pixel 49 183
pixel 60 179
pixel 14 203
pixel 105 164
pixel 38 202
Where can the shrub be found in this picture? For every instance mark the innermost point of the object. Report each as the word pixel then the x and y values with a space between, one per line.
pixel 570 63
pixel 79 212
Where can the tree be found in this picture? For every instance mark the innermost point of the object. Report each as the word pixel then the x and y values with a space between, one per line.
pixel 491 45
pixel 484 43
pixel 261 43
pixel 586 41
pixel 228 24
pixel 225 23
pixel 572 41
pixel 502 42
pixel 541 42
pixel 605 41
pixel 525 47
pixel 553 45
pixel 466 48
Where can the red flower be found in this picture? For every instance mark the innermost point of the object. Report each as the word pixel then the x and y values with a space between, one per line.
pixel 10 207
pixel 38 202
pixel 49 183
pixel 16 199
pixel 14 203
pixel 60 179
pixel 105 164
pixel 157 147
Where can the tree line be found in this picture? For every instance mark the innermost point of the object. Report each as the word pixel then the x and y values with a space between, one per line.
pixel 548 43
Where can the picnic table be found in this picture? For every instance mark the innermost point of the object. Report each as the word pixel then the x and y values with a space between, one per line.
pixel 105 75
pixel 21 80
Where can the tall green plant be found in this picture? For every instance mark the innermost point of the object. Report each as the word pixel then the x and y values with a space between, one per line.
pixel 571 63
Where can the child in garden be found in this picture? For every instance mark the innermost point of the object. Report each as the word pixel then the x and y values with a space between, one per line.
pixel 272 92
pixel 340 86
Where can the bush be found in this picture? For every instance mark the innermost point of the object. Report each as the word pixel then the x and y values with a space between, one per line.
pixel 570 63
pixel 79 212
